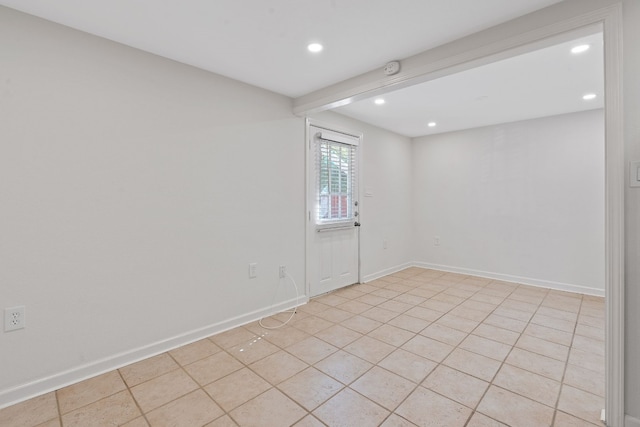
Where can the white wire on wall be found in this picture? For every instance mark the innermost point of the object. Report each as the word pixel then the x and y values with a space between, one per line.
pixel 292 311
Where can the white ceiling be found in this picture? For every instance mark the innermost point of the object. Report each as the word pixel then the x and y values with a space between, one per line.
pixel 541 83
pixel 263 43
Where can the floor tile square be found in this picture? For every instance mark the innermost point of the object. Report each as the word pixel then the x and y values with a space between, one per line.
pixel 361 324
pixel 383 387
pixel 580 404
pixel 485 347
pixel 277 367
pixel 311 324
pixel 270 409
pixel 536 363
pixel 89 391
pixel 309 421
pixel 584 379
pixel 396 421
pixel 554 323
pixel 525 383
pixel 409 323
pixel 501 335
pixel 194 409
pixel 113 410
pixel 479 420
pixel 214 367
pixel 30 412
pixel 443 334
pixel 380 314
pixel 371 300
pixel 513 313
pixel 505 323
pixel 424 313
pixel 312 350
pixel 348 408
pixel 456 385
pixel 473 364
pixel 163 389
pixel 355 307
pixel 233 337
pixel 285 336
pixel 409 365
pixel 137 422
pixel 425 408
pixel 590 331
pixel 426 347
pixel 338 335
pixel 514 410
pixel 343 366
pixel 549 334
pixel 459 323
pixel 147 369
pixel 252 351
pixel 369 349
pixel 396 306
pixel 543 347
pixel 593 362
pixel 310 388
pixel 194 352
pixel 566 420
pixel 237 388
pixel 335 315
pixel 588 345
pixel 331 299
pixel 391 335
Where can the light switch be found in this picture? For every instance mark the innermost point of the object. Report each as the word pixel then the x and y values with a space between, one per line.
pixel 634 174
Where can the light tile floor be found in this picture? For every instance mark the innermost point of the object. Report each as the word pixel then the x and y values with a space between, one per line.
pixel 416 348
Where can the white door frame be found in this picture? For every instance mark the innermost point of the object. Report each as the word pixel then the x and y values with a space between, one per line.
pixel 510 39
pixel 310 228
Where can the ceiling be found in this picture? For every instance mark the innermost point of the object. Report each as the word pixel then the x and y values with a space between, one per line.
pixel 540 83
pixel 263 43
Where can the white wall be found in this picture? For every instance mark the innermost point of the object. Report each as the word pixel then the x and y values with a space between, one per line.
pixel 522 201
pixel 386 214
pixel 631 66
pixel 135 191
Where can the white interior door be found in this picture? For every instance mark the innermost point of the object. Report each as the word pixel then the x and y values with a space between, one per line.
pixel 333 228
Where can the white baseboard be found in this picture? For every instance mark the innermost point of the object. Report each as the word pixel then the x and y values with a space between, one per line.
pixel 386 272
pixel 630 421
pixel 62 379
pixel 517 279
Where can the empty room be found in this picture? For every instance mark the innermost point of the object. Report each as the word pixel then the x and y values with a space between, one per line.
pixel 319 213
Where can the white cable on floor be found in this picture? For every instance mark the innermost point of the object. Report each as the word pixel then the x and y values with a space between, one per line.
pixel 293 311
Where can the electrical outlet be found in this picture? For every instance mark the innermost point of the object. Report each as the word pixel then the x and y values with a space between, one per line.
pixel 436 241
pixel 253 270
pixel 385 244
pixel 14 318
pixel 283 271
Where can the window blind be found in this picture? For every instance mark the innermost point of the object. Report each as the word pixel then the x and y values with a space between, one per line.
pixel 336 178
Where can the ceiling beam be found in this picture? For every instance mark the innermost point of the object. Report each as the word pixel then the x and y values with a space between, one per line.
pixel 530 32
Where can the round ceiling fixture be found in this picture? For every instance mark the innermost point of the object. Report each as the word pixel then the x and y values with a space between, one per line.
pixel 431 124
pixel 314 47
pixel 589 96
pixel 580 48
pixel 379 101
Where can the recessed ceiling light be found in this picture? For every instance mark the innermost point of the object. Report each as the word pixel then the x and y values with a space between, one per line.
pixel 431 124
pixel 589 96
pixel 580 48
pixel 379 101
pixel 314 47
